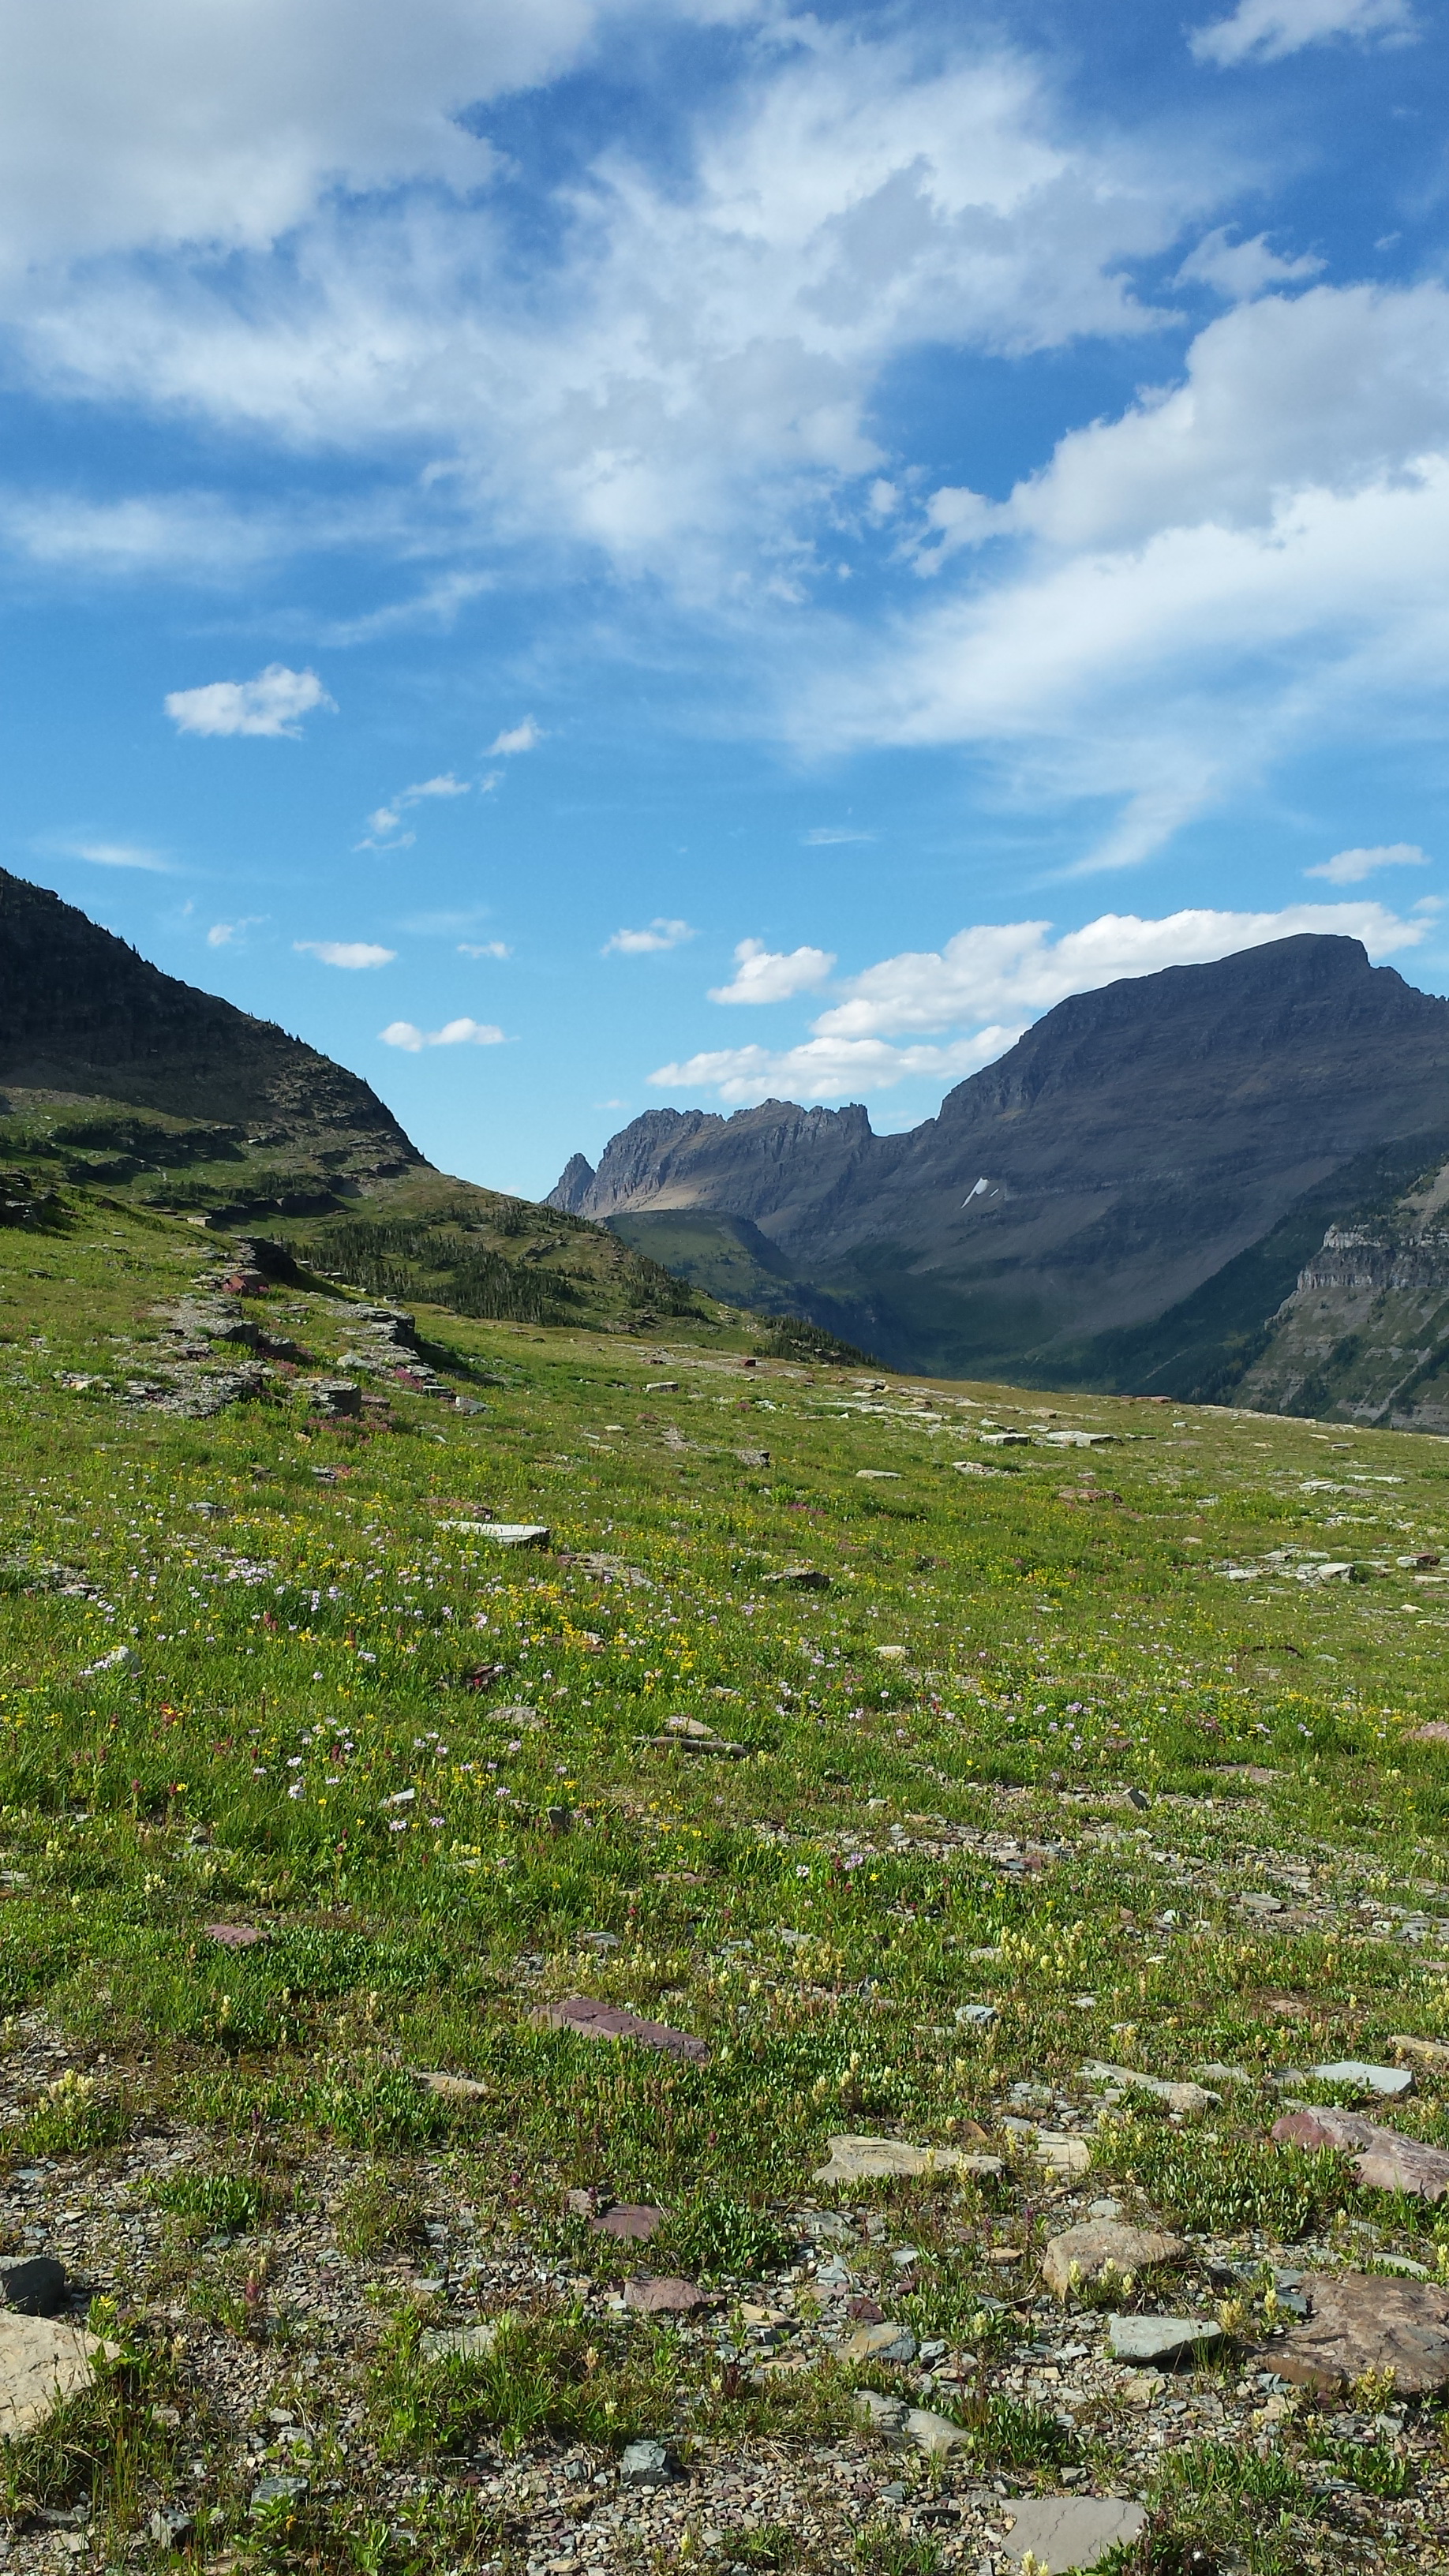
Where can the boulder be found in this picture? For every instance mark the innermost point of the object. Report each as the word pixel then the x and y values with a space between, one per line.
pixel 1104 2245
pixel 41 2362
pixel 1156 2341
pixel 588 2019
pixel 1065 2532
pixel 1383 2160
pixel 1360 2321
pixel 895 2159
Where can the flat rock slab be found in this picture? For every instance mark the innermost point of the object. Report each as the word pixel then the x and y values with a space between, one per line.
pixel 895 2160
pixel 1361 2321
pixel 1065 2532
pixel 632 2222
pixel 1178 2096
pixel 1390 2081
pixel 234 1936
pixel 453 2088
pixel 458 2343
pixel 1061 2154
pixel 40 2363
pixel 885 2342
pixel 1156 2340
pixel 664 2296
pixel 511 1533
pixel 936 2435
pixel 1383 2161
pixel 1102 2246
pixel 1431 2054
pixel 588 2019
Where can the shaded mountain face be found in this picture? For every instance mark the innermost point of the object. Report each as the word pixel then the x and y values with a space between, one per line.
pixel 81 1014
pixel 1132 1145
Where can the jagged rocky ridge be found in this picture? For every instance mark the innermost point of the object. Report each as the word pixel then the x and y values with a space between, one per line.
pixel 1126 1199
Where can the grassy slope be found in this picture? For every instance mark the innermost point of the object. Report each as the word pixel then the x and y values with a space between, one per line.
pixel 297 1746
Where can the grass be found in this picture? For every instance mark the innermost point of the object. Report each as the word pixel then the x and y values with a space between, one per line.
pixel 1011 1739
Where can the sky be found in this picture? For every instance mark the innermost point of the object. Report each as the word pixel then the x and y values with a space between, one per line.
pixel 589 557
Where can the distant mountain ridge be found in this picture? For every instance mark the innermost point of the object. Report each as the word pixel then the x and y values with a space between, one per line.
pixel 1129 1150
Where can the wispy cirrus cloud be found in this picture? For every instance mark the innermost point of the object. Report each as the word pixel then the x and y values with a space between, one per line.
pixel 1350 867
pixel 1266 31
pixel 383 831
pixel 114 854
pixel 273 704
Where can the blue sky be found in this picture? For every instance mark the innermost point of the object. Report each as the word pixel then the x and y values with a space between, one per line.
pixel 585 557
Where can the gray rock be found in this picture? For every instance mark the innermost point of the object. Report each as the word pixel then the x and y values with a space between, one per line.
pixel 1065 2532
pixel 1155 2340
pixel 882 2414
pixel 36 2288
pixel 277 2491
pixel 1387 2080
pixel 936 2435
pixel 885 2342
pixel 646 2465
pixel 1178 2096
pixel 168 2528
pixel 1104 2245
pixel 975 2016
pixel 459 2343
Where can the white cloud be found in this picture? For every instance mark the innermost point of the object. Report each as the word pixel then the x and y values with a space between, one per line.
pixel 693 370
pixel 647 943
pixel 826 835
pixel 1350 867
pixel 272 703
pixel 114 854
pixel 401 1033
pixel 387 817
pixel 762 975
pixel 484 948
pixel 1264 31
pixel 222 933
pixel 520 737
pixel 825 1068
pixel 978 993
pixel 351 953
pixel 1239 270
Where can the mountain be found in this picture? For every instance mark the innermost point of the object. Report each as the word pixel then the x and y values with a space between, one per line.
pixel 118 1078
pixel 1125 1198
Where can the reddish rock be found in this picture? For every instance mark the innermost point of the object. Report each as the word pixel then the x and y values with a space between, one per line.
pixel 1436 1732
pixel 865 2312
pixel 634 2223
pixel 665 2296
pixel 590 2020
pixel 234 1936
pixel 1383 2160
pixel 1360 2322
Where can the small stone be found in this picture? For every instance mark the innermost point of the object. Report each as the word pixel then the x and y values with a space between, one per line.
pixel 1100 2247
pixel 1140 2387
pixel 1061 2154
pixel 453 2088
pixel 169 2529
pixel 800 1578
pixel 1188 2098
pixel 277 2491
pixel 1390 2081
pixel 588 2019
pixel 936 2435
pixel 882 2414
pixel 1219 2074
pixel 40 2363
pixel 895 2493
pixel 1066 2532
pixel 1105 2208
pixel 559 1819
pixel 645 2464
pixel 885 2342
pixel 975 2016
pixel 1431 2054
pixel 1436 1732
pixel 1362 2322
pixel 1159 2339
pixel 37 2288
pixel 234 1936
pixel 665 2296
pixel 459 2343
pixel 1383 2160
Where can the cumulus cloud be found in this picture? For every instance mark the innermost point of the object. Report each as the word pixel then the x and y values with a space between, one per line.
pixel 975 996
pixel 401 1033
pixel 520 737
pixel 1241 269
pixel 1350 867
pixel 1264 31
pixel 764 975
pixel 351 953
pixel 273 703
pixel 647 943
pixel 387 818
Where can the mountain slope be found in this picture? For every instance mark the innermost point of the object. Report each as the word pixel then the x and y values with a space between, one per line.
pixel 1129 1148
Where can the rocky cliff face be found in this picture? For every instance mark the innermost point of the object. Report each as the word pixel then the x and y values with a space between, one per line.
pixel 1131 1145
pixel 82 1014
